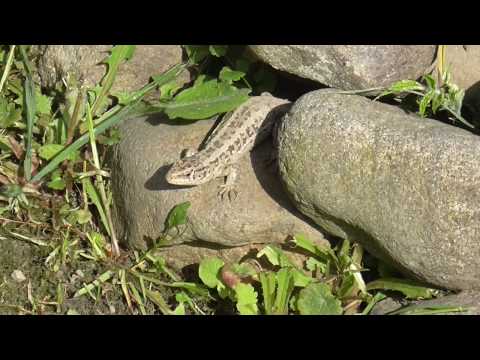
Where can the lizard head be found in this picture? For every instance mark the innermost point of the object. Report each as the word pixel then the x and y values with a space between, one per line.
pixel 187 172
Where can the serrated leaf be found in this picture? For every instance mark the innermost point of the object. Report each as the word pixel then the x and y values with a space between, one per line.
pixel 246 299
pixel 244 270
pixel 269 284
pixel 405 86
pixel 177 216
pixel 313 264
pixel 218 50
pixel 205 100
pixel 285 287
pixel 300 279
pixel 209 270
pixel 8 113
pixel 431 83
pixel 317 299
pixel 424 102
pixel 57 184
pixel 228 75
pixel 83 216
pixel 43 103
pixel 411 289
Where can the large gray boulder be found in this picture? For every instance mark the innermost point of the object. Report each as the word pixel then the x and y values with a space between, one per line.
pixel 349 67
pixel 406 188
pixel 261 213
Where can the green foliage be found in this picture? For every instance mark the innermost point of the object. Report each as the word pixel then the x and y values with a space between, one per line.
pixel 177 216
pixel 432 97
pixel 317 299
pixel 334 285
pixel 206 99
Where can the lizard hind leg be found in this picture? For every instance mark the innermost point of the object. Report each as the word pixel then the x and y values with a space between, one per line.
pixel 228 188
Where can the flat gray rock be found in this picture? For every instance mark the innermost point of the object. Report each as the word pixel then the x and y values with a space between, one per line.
pixel 468 300
pixel 349 67
pixel 261 213
pixel 404 187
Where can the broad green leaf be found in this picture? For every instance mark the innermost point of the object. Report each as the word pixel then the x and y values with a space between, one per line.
pixel 411 289
pixel 300 279
pixel 43 103
pixel 405 86
pixel 8 113
pixel 179 310
pixel 317 299
pixel 228 75
pixel 285 286
pixel 428 310
pixel 269 283
pixel 246 299
pixel 177 216
pixel 205 100
pixel 325 254
pixel 218 50
pixel 275 256
pixel 424 102
pixel 167 91
pixel 431 83
pixel 348 286
pixel 209 270
pixel 83 216
pixel 49 151
pixel 374 299
pixel 118 54
pixel 57 182
pixel 313 264
pixel 244 270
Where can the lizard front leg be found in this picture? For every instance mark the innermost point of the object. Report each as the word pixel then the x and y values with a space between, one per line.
pixel 228 188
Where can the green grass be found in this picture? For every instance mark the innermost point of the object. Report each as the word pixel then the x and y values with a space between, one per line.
pixel 55 198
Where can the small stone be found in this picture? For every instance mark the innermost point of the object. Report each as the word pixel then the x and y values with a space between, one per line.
pixel 80 273
pixel 18 276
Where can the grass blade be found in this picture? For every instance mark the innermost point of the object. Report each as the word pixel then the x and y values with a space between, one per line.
pixel 8 66
pixel 119 115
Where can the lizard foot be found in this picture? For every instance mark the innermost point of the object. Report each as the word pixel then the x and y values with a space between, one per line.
pixel 227 190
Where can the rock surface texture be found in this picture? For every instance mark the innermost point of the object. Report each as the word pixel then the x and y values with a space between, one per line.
pixel 468 300
pixel 404 187
pixel 56 61
pixel 464 65
pixel 349 67
pixel 261 213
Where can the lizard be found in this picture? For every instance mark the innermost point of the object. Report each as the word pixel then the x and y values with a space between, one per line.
pixel 235 136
